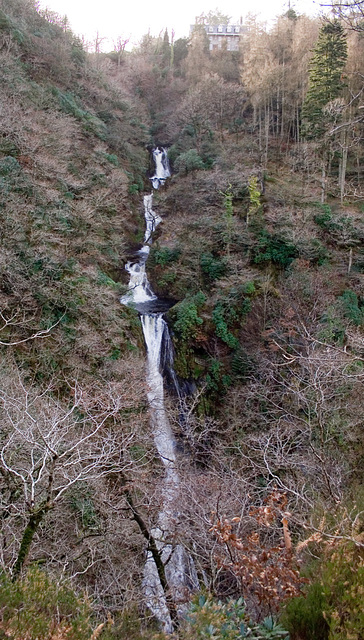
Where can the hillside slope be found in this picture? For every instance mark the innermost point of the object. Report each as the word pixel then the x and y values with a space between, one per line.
pixel 266 283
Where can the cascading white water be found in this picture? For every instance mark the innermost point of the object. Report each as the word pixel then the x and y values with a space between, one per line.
pixel 153 328
pixel 162 170
pixel 180 571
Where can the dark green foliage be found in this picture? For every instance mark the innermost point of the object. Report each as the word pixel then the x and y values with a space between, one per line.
pixel 188 162
pixel 241 364
pixel 213 268
pixel 35 605
pixel 326 84
pixel 82 504
pixel 70 104
pixel 78 54
pixel 316 252
pixel 333 330
pixel 273 248
pixel 324 219
pixel 340 229
pixel 112 158
pixel 136 183
pixel 104 279
pixel 210 618
pixel 187 318
pixel 229 312
pixel 350 306
pixel 9 166
pixel 8 147
pixel 186 322
pixel 128 624
pixel 165 256
pixel 223 316
pixel 217 381
pixel 332 606
pixel 180 52
pixel 304 616
pixel 8 25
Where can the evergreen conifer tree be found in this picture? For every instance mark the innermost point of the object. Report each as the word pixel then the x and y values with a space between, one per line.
pixel 326 83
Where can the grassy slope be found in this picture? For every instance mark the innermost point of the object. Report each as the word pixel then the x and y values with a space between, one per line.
pixel 72 153
pixel 273 314
pixel 69 151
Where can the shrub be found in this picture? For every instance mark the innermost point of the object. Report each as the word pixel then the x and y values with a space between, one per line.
pixel 230 310
pixel 324 218
pixel 216 380
pixel 188 319
pixel 304 616
pixel 35 606
pixel 350 306
pixel 273 248
pixel 9 166
pixel 210 619
pixel 219 316
pixel 188 161
pixel 241 364
pixel 332 608
pixel 69 104
pixel 333 328
pixel 213 268
pixel 165 256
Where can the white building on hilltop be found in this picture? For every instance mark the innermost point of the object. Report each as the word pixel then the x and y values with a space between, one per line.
pixel 221 35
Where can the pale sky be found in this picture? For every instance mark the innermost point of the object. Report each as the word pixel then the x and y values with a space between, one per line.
pixel 134 18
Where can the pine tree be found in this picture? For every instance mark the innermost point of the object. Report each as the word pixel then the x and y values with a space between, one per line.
pixel 326 84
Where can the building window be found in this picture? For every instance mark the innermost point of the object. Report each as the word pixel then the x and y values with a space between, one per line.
pixel 228 29
pixel 237 29
pixel 220 29
pixel 211 29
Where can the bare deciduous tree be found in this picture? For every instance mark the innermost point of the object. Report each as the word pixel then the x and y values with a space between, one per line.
pixel 50 444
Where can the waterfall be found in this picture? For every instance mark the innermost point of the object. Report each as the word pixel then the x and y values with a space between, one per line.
pixel 162 170
pixel 179 570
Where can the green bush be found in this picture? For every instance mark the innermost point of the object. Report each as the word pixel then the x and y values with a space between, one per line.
pixel 9 166
pixel 210 619
pixel 69 104
pixel 188 161
pixel 241 364
pixel 213 268
pixel 216 380
pixel 222 316
pixel 36 607
pixel 343 584
pixel 229 311
pixel 273 248
pixel 304 616
pixel 332 607
pixel 112 158
pixel 350 306
pixel 333 329
pixel 324 218
pixel 81 502
pixel 165 256
pixel 340 229
pixel 187 316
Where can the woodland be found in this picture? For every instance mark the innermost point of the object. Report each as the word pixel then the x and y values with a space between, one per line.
pixel 260 255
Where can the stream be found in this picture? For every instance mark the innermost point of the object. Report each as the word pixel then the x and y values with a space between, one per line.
pixel 179 567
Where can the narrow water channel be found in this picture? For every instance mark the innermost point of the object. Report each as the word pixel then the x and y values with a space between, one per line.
pixel 179 568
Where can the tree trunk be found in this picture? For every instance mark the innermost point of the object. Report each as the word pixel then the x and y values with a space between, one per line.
pixel 267 118
pixel 350 259
pixel 172 609
pixel 34 521
pixel 323 180
pixel 342 177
